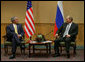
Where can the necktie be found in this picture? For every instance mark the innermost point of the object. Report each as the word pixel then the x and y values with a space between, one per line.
pixel 15 27
pixel 66 31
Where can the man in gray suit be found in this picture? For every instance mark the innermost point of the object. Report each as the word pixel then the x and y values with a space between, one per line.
pixel 66 33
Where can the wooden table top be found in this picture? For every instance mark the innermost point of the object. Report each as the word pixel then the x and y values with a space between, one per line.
pixel 35 42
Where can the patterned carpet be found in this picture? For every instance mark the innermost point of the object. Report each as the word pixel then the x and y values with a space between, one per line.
pixel 40 55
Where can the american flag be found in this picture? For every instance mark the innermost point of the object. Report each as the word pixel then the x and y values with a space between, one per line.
pixel 29 21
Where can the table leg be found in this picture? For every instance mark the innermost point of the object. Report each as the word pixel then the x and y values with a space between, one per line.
pixel 33 49
pixel 29 49
pixel 49 48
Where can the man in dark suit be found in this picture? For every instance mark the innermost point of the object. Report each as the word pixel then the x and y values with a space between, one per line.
pixel 14 34
pixel 66 33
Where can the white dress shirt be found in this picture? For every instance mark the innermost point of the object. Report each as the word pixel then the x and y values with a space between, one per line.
pixel 67 29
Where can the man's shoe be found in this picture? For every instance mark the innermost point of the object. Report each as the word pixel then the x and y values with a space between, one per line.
pixel 56 55
pixel 12 57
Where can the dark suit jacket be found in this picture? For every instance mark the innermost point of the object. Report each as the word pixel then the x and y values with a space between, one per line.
pixel 10 31
pixel 73 30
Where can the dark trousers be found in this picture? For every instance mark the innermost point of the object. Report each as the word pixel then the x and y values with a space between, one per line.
pixel 15 42
pixel 57 44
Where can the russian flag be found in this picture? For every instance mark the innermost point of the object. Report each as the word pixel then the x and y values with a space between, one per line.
pixel 59 17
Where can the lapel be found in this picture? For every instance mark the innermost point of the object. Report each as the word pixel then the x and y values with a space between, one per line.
pixel 12 27
pixel 65 26
pixel 17 27
pixel 71 27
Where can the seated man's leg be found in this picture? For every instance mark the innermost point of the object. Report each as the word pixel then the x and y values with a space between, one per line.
pixel 16 38
pixel 15 43
pixel 14 46
pixel 67 44
pixel 57 44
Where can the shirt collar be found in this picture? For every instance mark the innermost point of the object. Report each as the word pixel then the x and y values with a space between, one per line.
pixel 14 24
pixel 70 23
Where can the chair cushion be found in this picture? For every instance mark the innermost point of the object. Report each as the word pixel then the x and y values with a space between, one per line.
pixel 63 43
pixel 72 43
pixel 23 42
pixel 8 43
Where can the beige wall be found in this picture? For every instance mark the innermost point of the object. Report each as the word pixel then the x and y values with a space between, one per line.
pixel 44 11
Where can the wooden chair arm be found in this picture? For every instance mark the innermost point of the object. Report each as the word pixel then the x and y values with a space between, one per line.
pixel 5 37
